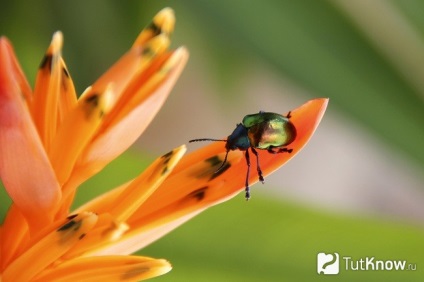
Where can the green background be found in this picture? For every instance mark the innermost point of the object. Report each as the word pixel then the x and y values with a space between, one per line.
pixel 314 44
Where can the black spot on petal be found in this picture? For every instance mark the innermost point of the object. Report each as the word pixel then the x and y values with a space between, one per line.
pixel 93 99
pixel 226 166
pixel 216 162
pixel 155 28
pixel 166 158
pixel 147 51
pixel 198 194
pixel 46 62
pixel 67 225
pixel 75 225
pixel 72 216
pixel 65 72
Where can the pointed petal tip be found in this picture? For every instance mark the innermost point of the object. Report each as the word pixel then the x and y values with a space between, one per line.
pixel 5 46
pixel 181 52
pixel 162 24
pixel 57 37
pixel 165 19
pixel 158 44
pixel 325 101
pixel 322 103
pixel 178 58
pixel 168 11
pixel 4 40
pixel 181 149
pixel 163 266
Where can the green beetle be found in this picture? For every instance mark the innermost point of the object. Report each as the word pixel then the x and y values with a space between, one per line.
pixel 264 131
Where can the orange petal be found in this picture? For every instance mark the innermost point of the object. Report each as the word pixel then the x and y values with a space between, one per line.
pixel 77 130
pixel 153 59
pixel 115 208
pixel 47 90
pixel 67 97
pixel 152 41
pixel 105 233
pixel 123 204
pixel 194 186
pixel 163 22
pixel 24 166
pixel 15 69
pixel 121 73
pixel 115 139
pixel 107 268
pixel 200 166
pixel 50 248
pixel 14 237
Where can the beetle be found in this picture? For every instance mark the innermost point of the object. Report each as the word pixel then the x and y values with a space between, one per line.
pixel 263 131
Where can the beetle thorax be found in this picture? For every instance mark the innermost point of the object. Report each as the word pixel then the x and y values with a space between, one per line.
pixel 238 139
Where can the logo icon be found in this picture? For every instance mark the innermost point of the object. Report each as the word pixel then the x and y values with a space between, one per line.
pixel 328 263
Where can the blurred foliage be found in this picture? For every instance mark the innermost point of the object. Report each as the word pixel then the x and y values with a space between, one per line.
pixel 318 46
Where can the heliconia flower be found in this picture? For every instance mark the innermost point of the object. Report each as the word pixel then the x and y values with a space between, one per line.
pixel 51 142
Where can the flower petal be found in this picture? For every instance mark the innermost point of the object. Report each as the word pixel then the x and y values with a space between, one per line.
pixel 47 91
pixel 194 184
pixel 115 208
pixel 112 141
pixel 199 168
pixel 52 246
pixel 77 130
pixel 162 23
pixel 24 166
pixel 67 97
pixel 153 40
pixel 14 236
pixel 121 206
pixel 15 69
pixel 107 268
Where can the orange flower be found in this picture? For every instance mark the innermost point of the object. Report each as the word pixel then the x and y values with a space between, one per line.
pixel 51 142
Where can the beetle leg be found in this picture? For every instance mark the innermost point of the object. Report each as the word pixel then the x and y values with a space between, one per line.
pixel 261 178
pixel 223 163
pixel 247 196
pixel 280 150
pixel 288 115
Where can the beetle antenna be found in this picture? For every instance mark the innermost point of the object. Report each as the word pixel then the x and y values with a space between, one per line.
pixel 206 139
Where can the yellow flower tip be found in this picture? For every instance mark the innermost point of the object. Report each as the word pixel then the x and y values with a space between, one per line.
pixel 98 103
pixel 162 23
pixel 106 268
pixel 109 98
pixel 57 41
pixel 146 270
pixel 158 267
pixel 165 20
pixel 156 45
pixel 116 231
